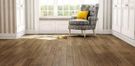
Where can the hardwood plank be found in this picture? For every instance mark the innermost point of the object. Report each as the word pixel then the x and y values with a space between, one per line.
pixel 102 50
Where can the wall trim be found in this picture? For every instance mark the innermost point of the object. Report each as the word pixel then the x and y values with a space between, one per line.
pixel 104 32
pixel 32 32
pixel 20 34
pixel 77 32
pixel 124 38
pixel 7 36
pixel 11 36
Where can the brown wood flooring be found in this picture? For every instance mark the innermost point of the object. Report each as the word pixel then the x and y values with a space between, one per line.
pixel 103 50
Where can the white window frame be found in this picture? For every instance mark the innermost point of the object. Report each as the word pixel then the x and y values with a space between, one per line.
pixel 55 16
pixel 55 13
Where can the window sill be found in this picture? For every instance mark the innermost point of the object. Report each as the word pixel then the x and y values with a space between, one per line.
pixel 55 18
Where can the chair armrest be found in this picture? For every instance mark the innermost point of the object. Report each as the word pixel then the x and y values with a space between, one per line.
pixel 92 18
pixel 93 21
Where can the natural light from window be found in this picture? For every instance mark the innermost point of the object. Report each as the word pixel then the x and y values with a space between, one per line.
pixel 51 8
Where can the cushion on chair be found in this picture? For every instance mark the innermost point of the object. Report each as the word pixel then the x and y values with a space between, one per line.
pixel 82 14
pixel 86 8
pixel 79 22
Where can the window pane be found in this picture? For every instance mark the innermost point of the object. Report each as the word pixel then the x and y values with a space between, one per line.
pixel 60 7
pixel 71 7
pixel 66 13
pixel 43 7
pixel 50 13
pixel 44 13
pixel 66 7
pixel 72 12
pixel 60 13
pixel 50 7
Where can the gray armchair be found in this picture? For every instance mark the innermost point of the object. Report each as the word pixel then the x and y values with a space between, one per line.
pixel 85 24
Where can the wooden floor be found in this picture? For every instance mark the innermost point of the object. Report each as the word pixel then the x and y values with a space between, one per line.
pixel 103 50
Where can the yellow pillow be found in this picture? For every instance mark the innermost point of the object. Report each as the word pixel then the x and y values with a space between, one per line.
pixel 82 14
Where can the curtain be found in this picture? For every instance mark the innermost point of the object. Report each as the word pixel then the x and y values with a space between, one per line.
pixel 32 16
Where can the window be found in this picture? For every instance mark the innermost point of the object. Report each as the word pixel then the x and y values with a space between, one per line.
pixel 47 10
pixel 67 10
pixel 62 7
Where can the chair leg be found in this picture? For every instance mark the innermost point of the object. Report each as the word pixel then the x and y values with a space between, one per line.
pixel 69 32
pixel 94 33
pixel 84 33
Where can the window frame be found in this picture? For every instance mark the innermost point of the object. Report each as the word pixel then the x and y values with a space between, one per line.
pixel 56 11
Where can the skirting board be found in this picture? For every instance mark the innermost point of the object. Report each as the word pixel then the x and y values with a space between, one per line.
pixel 124 38
pixel 7 36
pixel 11 36
pixel 77 32
pixel 19 34
pixel 32 32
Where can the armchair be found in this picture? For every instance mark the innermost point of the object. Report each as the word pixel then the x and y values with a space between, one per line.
pixel 85 24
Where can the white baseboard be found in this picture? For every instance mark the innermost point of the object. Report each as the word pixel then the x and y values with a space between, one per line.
pixel 74 32
pixel 32 32
pixel 104 32
pixel 11 36
pixel 7 36
pixel 124 38
pixel 20 34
